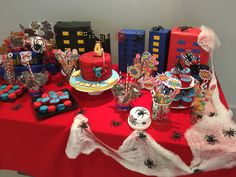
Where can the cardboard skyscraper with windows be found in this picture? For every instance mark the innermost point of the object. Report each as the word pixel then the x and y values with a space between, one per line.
pixel 158 46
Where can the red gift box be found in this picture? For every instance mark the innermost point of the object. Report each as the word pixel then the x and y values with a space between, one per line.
pixel 182 40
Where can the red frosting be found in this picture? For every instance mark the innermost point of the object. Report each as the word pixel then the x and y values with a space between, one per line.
pixel 12 96
pixel 68 103
pixel 88 62
pixel 37 105
pixel 51 108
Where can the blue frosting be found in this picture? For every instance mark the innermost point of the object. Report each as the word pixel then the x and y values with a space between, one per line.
pixel 2 87
pixel 187 99
pixel 44 100
pixel 55 100
pixel 4 96
pixel 15 87
pixel 186 71
pixel 186 79
pixel 43 109
pixel 60 107
pixel 178 97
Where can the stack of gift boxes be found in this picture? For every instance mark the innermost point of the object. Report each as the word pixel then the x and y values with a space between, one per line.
pixel 165 44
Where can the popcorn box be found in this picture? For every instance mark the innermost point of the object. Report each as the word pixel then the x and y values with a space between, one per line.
pixel 130 43
pixel 158 45
pixel 184 39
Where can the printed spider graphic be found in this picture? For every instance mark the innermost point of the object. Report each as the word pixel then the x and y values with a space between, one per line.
pixel 141 112
pixel 133 120
pixel 141 135
pixel 230 133
pixel 211 139
pixel 149 163
pixel 83 125
pixel 115 123
pixel 176 135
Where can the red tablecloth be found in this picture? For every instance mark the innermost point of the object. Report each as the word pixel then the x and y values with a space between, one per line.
pixel 38 147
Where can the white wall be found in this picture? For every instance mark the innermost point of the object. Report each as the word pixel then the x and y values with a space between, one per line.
pixel 112 15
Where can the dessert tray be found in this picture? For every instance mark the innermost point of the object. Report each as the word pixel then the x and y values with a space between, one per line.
pixel 92 88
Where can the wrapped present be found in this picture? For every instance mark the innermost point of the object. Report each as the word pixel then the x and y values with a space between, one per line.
pixel 182 39
pixel 158 46
pixel 131 42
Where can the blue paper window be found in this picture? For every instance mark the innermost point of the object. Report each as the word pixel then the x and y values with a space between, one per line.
pixel 180 50
pixel 195 50
pixel 181 42
pixel 178 57
pixel 195 44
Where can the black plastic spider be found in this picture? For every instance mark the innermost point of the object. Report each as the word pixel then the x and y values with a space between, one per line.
pixel 176 135
pixel 184 28
pixel 138 37
pixel 211 139
pixel 133 148
pixel 230 133
pixel 141 112
pixel 212 114
pixel 115 123
pixel 141 135
pixel 17 107
pixel 157 28
pixel 149 163
pixel 197 171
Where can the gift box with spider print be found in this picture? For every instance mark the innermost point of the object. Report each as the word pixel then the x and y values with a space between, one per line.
pixel 182 39
pixel 158 46
pixel 130 42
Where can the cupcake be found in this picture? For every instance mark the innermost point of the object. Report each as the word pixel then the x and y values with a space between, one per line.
pixel 60 107
pixel 54 101
pixel 45 100
pixel 185 81
pixel 37 104
pixel 52 108
pixel 68 103
pixel 4 96
pixel 191 93
pixel 186 101
pixel 12 96
pixel 177 100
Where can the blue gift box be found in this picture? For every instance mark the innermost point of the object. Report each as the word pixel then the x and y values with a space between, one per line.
pixel 158 45
pixel 131 42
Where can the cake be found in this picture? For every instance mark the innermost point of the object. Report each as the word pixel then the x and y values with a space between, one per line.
pixel 95 68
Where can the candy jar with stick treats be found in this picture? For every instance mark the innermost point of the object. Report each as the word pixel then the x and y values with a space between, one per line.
pixel 68 61
pixel 8 65
pixel 33 81
pixel 125 91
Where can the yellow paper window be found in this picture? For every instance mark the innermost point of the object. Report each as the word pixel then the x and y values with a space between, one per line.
pixel 155 37
pixel 79 33
pixel 81 50
pixel 80 41
pixel 68 49
pixel 155 55
pixel 66 41
pixel 65 33
pixel 155 44
pixel 155 50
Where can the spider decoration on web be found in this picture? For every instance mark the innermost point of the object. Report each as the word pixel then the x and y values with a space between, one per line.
pixel 197 171
pixel 141 112
pixel 38 44
pixel 211 139
pixel 116 123
pixel 212 114
pixel 230 133
pixel 141 136
pixel 83 125
pixel 149 163
pixel 176 135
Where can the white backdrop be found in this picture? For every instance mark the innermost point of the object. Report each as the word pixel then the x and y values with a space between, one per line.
pixel 112 15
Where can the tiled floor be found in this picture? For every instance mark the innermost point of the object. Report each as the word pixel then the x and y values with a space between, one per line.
pixel 8 173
